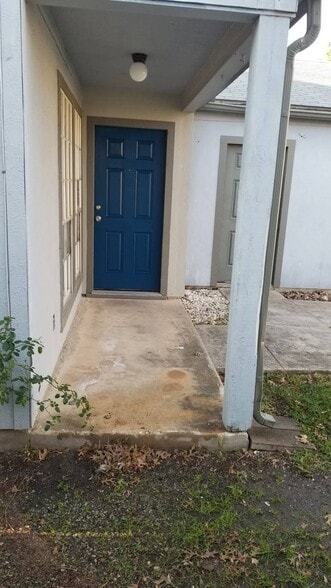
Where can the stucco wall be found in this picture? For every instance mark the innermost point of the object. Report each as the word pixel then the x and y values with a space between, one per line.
pixel 306 260
pixel 99 102
pixel 4 309
pixel 41 62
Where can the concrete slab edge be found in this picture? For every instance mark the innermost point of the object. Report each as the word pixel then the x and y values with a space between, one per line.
pixel 214 442
pixel 210 362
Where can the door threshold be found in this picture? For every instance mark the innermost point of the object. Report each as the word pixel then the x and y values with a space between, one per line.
pixel 126 295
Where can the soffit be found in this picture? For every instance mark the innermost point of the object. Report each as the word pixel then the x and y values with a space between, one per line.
pixel 100 43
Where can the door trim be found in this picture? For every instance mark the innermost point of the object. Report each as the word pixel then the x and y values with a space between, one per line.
pixel 220 195
pixel 283 212
pixel 92 122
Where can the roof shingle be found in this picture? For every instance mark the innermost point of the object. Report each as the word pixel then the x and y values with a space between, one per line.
pixel 311 85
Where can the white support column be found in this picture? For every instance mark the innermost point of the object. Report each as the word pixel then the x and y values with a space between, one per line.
pixel 13 186
pixel 263 110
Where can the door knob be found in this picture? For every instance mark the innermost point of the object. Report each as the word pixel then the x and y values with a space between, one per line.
pixel 98 207
pixel 98 218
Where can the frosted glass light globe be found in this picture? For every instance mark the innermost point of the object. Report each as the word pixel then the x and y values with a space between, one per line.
pixel 138 71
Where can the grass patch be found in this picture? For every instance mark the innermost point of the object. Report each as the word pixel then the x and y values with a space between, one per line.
pixel 191 520
pixel 182 520
pixel 307 399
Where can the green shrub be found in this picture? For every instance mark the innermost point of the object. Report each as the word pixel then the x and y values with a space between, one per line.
pixel 18 377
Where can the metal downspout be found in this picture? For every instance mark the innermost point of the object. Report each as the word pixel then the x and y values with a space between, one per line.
pixel 313 29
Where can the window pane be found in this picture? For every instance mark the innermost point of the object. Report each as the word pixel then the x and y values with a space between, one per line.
pixel 67 239
pixel 70 193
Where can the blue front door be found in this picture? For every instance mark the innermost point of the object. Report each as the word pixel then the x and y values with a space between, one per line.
pixel 128 208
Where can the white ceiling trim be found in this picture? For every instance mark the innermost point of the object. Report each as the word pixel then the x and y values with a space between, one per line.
pixel 235 10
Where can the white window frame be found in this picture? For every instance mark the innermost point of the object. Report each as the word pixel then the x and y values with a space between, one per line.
pixel 70 197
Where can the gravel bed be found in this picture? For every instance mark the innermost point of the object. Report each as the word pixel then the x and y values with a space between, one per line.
pixel 321 295
pixel 206 306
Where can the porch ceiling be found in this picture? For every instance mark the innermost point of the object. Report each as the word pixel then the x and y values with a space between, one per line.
pixel 194 51
pixel 184 53
pixel 100 45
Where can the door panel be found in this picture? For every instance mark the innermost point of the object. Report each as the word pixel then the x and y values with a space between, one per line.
pixel 229 211
pixel 128 208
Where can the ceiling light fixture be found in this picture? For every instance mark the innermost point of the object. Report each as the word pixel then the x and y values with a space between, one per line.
pixel 138 70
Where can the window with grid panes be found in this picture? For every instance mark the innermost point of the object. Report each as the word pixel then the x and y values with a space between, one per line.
pixel 70 198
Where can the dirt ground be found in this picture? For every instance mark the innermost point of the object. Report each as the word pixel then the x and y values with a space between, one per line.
pixel 134 518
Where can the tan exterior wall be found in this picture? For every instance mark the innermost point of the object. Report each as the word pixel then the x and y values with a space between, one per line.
pixel 118 107
pixel 42 61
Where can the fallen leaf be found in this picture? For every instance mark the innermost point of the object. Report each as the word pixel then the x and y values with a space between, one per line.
pixel 208 554
pixel 209 564
pixel 328 519
pixel 42 454
pixel 122 458
pixel 242 557
pixel 163 581
pixel 302 439
pixel 255 561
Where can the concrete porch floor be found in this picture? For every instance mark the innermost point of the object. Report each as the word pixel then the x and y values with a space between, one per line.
pixel 146 373
pixel 150 380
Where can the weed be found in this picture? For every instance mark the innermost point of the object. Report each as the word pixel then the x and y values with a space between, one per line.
pixel 236 491
pixel 64 485
pixel 120 486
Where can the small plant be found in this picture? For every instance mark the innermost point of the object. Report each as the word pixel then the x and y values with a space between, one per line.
pixel 18 376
